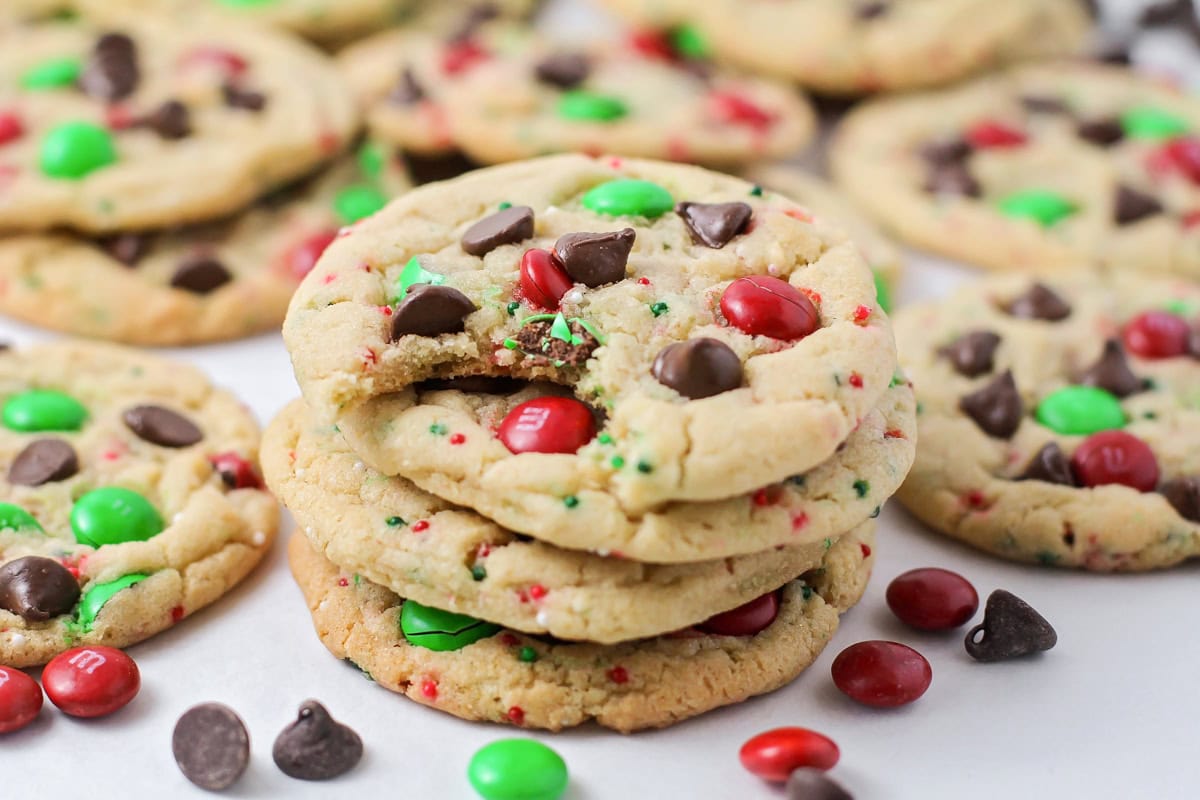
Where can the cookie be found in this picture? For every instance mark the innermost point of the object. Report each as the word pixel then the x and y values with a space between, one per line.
pixel 488 673
pixel 880 252
pixel 1056 419
pixel 130 498
pixel 389 531
pixel 659 292
pixel 158 124
pixel 195 284
pixel 1043 168
pixel 504 93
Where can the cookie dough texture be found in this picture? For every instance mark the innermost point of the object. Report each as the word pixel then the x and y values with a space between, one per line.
pixel 964 483
pixel 214 535
pixel 651 683
pixel 231 155
pixel 880 157
pixel 817 389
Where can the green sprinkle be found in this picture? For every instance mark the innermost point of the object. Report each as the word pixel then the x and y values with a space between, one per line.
pixel 437 429
pixel 561 329
pixel 897 379
pixel 617 462
pixel 807 592
pixel 512 307
pixel 828 543
pixel 511 344
pixel 590 328
pixel 862 487
pixel 528 655
pixel 645 467
pixel 604 438
pixel 357 579
pixel 54 73
pixel 756 191
pixel 505 206
pixel 689 42
pixel 875 513
pixel 396 522
pixel 412 274
pixel 658 309
pixel 570 501
pixel 796 480
pixel 1046 558
pixel 370 160
pixel 478 572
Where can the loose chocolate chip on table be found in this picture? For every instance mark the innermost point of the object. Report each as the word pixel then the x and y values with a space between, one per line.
pixel 128 248
pixel 36 588
pixel 111 72
pixel 595 259
pixel 1040 302
pixel 1104 132
pixel 211 746
pixel 316 747
pixel 1111 372
pixel 1050 465
pixel 1010 628
pixel 714 224
pixel 564 70
pixel 200 274
pixel 43 461
pixel 810 783
pixel 698 368
pixel 162 426
pixel 430 311
pixel 1184 496
pixel 408 89
pixel 1040 104
pixel 170 121
pixel 245 99
pixel 509 226
pixel 951 179
pixel 1130 206
pixel 972 353
pixel 996 408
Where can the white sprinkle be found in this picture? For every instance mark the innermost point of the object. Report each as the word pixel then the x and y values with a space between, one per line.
pixel 299 472
pixel 772 269
pixel 16 638
pixel 603 552
pixel 543 618
pixel 573 297
pixel 258 539
pixel 322 605
pixel 175 519
pixel 309 530
pixel 359 466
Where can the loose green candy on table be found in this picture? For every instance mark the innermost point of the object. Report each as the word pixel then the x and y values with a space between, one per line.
pixel 357 202
pixel 98 595
pixel 582 105
pixel 1080 411
pixel 1148 122
pixel 1040 205
pixel 629 197
pixel 518 769
pixel 54 73
pixel 43 410
pixel 112 515
pixel 15 518
pixel 435 629
pixel 74 149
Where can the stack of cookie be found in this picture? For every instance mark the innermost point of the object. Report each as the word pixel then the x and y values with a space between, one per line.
pixel 587 439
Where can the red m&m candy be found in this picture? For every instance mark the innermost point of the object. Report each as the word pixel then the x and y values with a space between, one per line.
pixel 1115 457
pixel 548 425
pixel 932 599
pixel 235 471
pixel 91 681
pixel 773 755
pixel 543 279
pixel 736 109
pixel 745 620
pixel 761 305
pixel 1183 154
pixel 882 674
pixel 1156 334
pixel 20 699
pixel 989 133
pixel 300 260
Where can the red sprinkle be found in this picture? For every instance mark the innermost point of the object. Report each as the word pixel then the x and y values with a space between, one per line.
pixel 235 471
pixel 989 133
pixel 643 281
pixel 975 499
pixel 343 582
pixel 652 44
pixel 855 380
pixel 799 521
pixel 866 549
pixel 11 128
pixel 420 526
pixel 618 675
pixel 733 108
pixel 457 438
pixel 537 591
pixel 894 433
pixel 1182 154
pixel 177 613
pixel 760 498
pixel 369 357
pixel 461 56
pixel 509 640
pixel 516 715
pixel 861 314
pixel 430 689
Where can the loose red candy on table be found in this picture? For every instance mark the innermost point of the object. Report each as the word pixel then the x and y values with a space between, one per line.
pixel 745 620
pixel 303 257
pixel 91 681
pixel 761 305
pixel 543 279
pixel 773 755
pixel 1115 457
pixel 1156 334
pixel 548 425
pixel 20 699
pixel 994 134
pixel 932 599
pixel 882 674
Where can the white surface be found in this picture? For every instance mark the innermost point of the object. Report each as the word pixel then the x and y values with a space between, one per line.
pixel 1110 713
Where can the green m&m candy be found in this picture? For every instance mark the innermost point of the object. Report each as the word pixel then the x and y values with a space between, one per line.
pixel 112 515
pixel 1040 205
pixel 357 202
pixel 690 43
pixel 98 595
pixel 435 629
pixel 1080 410
pixel 43 410
pixel 629 197
pixel 73 149
pixel 52 74
pixel 15 518
pixel 1148 122
pixel 518 769
pixel 582 105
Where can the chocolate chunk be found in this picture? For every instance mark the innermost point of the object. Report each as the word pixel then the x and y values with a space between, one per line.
pixel 128 248
pixel 111 72
pixel 36 588
pixel 564 70
pixel 1105 131
pixel 698 368
pixel 952 179
pixel 1010 629
pixel 509 226
pixel 474 384
pixel 1041 104
pixel 431 311
pixel 871 9
pixel 1050 465
pixel 439 167
pixel 237 97
pixel 1111 372
pixel 1130 205
pixel 595 259
pixel 43 461
pixel 316 747
pixel 942 152
pixel 170 121
pixel 407 90
pixel 1040 302
pixel 714 224
pixel 972 353
pixel 810 783
pixel 211 746
pixel 996 408
pixel 162 426
pixel 1184 496
pixel 200 274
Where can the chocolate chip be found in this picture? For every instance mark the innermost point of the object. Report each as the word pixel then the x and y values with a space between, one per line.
pixel 1040 302
pixel 474 19
pixel 211 746
pixel 1130 206
pixel 714 224
pixel 171 121
pixel 431 311
pixel 316 747
pixel 43 461
pixel 941 152
pixel 595 259
pixel 1113 52
pixel 439 167
pixel 128 248
pixel 1112 373
pixel 237 97
pixel 698 368
pixel 996 408
pixel 1041 104
pixel 111 72
pixel 408 89
pixel 1010 629
pixel 162 426
pixel 509 226
pixel 972 353
pixel 952 179
pixel 871 9
pixel 1166 13
pixel 1050 465
pixel 564 70
pixel 36 588
pixel 810 783
pixel 1184 496
pixel 200 274
pixel 1105 131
